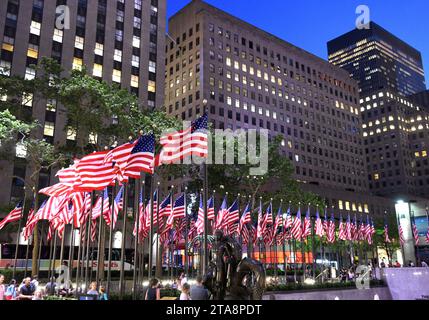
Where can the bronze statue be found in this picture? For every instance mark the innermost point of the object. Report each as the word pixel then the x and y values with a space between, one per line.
pixel 229 276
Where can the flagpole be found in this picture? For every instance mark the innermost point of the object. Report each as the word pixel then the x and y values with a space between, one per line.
pixel 62 246
pixel 158 262
pixel 206 227
pixel 124 230
pixel 88 242
pixel 186 234
pixel 151 228
pixel 40 246
pixel 137 189
pixel 109 267
pixel 54 255
pixel 79 257
pixel 71 251
pixel 30 239
pixel 19 234
pixel 416 249
pixel 313 239
pixel 51 244
pixel 172 241
pixel 100 239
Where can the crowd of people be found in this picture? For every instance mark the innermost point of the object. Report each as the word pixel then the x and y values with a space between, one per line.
pixel 196 292
pixel 28 289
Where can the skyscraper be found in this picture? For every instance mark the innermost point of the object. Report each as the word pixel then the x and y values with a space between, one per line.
pixel 395 127
pixel 117 41
pixel 378 60
pixel 252 79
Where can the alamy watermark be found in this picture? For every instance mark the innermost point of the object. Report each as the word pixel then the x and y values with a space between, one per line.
pixel 62 21
pixel 364 18
pixel 228 147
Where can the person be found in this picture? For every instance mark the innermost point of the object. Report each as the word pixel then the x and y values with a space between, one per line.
pixel 383 264
pixel 27 290
pixel 198 292
pixel 424 264
pixel 351 275
pixel 185 292
pixel 93 289
pixel 410 264
pixel 38 295
pixel 2 288
pixel 102 293
pixel 35 282
pixel 153 292
pixel 397 264
pixel 183 279
pixel 51 286
pixel 11 293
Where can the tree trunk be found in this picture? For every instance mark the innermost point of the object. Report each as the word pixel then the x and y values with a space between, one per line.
pixel 35 254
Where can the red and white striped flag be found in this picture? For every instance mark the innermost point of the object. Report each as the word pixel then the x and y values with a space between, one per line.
pixel 191 141
pixel 306 226
pixel 142 157
pixel 401 235
pixel 342 233
pixel 415 234
pixel 13 216
pixel 94 172
pixel 296 226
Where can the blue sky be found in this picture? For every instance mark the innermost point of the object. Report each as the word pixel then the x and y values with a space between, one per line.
pixel 309 24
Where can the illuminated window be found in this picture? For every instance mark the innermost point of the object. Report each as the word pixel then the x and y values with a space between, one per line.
pixel 340 205
pixel 118 55
pixel 77 64
pixel 417 154
pixel 347 205
pixel 136 42
pixel 228 62
pixel 99 49
pixel 365 206
pixel 360 207
pixel 354 206
pixel 152 66
pixel 27 99
pixel 21 150
pixel 93 138
pixel 35 28
pixel 79 42
pixel 58 35
pixel 376 176
pixel 49 129
pixel 51 105
pixel 134 81
pixel 135 61
pixel 5 67
pixel 424 153
pixel 71 134
pixel 116 76
pixel 98 70
pixel 30 74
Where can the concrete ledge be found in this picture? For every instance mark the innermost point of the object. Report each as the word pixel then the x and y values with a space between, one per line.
pixel 383 293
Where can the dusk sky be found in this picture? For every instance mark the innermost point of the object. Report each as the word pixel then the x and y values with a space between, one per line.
pixel 309 24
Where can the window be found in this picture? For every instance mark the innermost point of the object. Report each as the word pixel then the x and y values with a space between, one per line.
pixel 30 74
pixel 49 129
pixel 35 28
pixel 33 51
pixel 116 76
pixel 118 55
pixel 134 81
pixel 71 134
pixel 79 42
pixel 77 64
pixel 99 49
pixel 98 70
pixel 151 86
pixel 136 42
pixel 58 35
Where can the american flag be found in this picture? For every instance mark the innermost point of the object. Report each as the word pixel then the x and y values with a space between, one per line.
pixel 223 212
pixel 287 224
pixel 355 230
pixel 326 224
pixel 85 210
pixel 415 233
pixel 119 157
pixel 69 176
pixel 94 172
pixel 368 230
pixel 342 233
pixel 140 216
pixel 401 235
pixel 259 229
pixel 78 204
pixel 244 233
pixel 245 219
pixel 386 232
pixel 165 207
pixel 97 211
pixel 232 217
pixel 200 220
pixel 348 228
pixel 267 223
pixel 57 190
pixel 278 221
pixel 147 210
pixel 191 141
pixel 296 226
pixel 306 226
pixel 179 207
pixel 427 235
pixel 117 206
pixel 141 157
pixel 210 209
pixel 13 216
pixel 330 236
pixel 319 225
pixel 29 225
